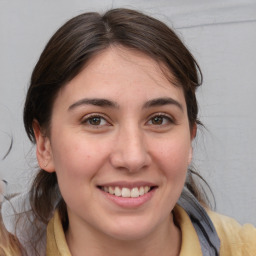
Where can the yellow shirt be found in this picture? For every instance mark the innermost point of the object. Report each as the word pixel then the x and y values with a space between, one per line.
pixel 236 240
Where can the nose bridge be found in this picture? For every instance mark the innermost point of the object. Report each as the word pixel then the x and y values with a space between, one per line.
pixel 130 150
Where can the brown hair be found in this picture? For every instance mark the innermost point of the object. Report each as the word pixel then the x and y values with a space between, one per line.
pixel 67 52
pixel 9 244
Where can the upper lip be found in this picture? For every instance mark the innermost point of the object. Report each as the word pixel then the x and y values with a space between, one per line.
pixel 125 184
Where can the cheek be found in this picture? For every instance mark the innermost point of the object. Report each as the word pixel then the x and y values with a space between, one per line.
pixel 76 164
pixel 173 157
pixel 77 159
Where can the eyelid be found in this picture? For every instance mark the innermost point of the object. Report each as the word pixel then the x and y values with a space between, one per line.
pixel 86 117
pixel 170 118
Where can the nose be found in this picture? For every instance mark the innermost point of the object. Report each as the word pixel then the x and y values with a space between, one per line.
pixel 130 151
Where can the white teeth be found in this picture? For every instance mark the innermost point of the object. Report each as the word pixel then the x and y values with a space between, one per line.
pixel 142 191
pixel 111 191
pixel 118 191
pixel 135 192
pixel 126 192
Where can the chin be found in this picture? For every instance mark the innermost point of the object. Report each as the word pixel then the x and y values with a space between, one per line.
pixel 131 231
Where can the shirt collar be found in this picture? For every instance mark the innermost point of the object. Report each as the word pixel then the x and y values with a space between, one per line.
pixel 57 245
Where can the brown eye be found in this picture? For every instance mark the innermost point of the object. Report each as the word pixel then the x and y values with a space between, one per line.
pixel 160 120
pixel 95 121
pixel 157 120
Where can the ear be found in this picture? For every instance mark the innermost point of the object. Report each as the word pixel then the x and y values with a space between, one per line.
pixel 43 149
pixel 193 131
pixel 193 135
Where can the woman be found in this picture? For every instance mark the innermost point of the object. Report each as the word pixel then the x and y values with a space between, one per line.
pixel 112 110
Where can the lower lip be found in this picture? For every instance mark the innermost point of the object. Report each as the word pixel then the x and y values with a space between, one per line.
pixel 130 202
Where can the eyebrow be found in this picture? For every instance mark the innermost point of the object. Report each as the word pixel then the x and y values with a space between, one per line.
pixel 161 102
pixel 95 102
pixel 107 103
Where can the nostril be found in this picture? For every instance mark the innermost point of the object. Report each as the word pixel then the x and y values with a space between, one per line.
pixel 130 152
pixel 130 161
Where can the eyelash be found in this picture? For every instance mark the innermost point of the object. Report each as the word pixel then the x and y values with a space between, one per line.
pixel 164 118
pixel 168 119
pixel 88 119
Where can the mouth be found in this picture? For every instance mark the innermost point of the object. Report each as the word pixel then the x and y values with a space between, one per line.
pixel 125 192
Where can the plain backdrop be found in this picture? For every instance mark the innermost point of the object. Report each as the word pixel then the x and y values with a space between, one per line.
pixel 222 37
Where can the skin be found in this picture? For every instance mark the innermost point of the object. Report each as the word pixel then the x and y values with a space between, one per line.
pixel 129 140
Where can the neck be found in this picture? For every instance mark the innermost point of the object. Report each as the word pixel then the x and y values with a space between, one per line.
pixel 165 241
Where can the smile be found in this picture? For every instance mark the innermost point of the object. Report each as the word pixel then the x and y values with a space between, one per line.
pixel 127 192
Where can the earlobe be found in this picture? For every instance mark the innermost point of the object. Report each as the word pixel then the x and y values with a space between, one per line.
pixel 193 135
pixel 43 149
pixel 193 131
pixel 190 155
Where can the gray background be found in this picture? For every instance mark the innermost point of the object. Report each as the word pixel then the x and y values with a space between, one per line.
pixel 222 37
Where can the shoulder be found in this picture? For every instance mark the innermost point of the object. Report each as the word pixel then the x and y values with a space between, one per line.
pixel 19 229
pixel 235 239
pixel 9 245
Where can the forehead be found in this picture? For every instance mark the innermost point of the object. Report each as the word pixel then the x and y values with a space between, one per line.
pixel 119 59
pixel 120 71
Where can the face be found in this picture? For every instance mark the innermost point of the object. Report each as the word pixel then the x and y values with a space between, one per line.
pixel 120 144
